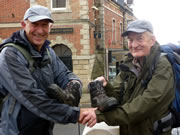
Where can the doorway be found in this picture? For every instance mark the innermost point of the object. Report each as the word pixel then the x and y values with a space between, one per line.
pixel 65 54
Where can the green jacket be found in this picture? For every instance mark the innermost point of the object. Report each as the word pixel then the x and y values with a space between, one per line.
pixel 140 107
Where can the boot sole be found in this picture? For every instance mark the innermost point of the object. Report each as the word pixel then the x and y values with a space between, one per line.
pixel 109 105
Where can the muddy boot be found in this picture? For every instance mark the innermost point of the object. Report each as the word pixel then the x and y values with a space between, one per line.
pixel 63 96
pixel 75 88
pixel 99 98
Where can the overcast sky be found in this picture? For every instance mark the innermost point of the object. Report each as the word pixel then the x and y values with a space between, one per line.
pixel 164 16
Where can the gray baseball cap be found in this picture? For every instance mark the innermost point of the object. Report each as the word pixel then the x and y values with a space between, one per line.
pixel 138 26
pixel 37 13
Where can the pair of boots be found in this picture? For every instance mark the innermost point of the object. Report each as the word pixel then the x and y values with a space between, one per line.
pixel 71 95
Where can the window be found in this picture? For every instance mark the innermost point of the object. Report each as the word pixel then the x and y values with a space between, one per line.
pixel 64 54
pixel 121 28
pixel 113 30
pixel 58 4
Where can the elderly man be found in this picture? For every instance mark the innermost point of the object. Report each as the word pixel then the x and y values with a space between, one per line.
pixel 142 100
pixel 27 108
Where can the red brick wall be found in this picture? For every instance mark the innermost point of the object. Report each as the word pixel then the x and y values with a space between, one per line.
pixel 91 11
pixel 12 10
pixel 5 33
pixel 109 16
pixel 71 37
pixel 75 37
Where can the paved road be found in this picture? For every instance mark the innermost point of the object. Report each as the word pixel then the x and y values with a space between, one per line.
pixel 69 129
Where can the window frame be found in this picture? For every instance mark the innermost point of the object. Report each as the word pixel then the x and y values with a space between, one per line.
pixel 113 30
pixel 121 29
pixel 64 8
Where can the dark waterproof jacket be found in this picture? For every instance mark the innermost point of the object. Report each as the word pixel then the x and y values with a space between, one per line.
pixel 27 109
pixel 140 106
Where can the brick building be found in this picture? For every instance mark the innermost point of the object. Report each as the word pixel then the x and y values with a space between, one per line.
pixel 111 18
pixel 84 34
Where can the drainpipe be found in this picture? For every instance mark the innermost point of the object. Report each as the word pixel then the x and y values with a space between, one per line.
pixel 124 26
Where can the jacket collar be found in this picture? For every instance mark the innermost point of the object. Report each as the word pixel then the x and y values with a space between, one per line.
pixel 20 38
pixel 147 61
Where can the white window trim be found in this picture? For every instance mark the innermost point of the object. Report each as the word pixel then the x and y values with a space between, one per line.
pixel 121 28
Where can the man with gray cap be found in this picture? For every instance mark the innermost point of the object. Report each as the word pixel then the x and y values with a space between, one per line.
pixel 144 97
pixel 28 108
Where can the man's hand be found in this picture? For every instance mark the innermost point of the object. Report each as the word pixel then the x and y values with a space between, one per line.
pixel 88 115
pixel 102 79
